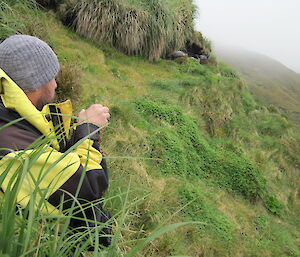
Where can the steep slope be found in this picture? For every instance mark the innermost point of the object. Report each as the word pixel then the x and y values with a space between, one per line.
pixel 186 143
pixel 202 132
pixel 268 78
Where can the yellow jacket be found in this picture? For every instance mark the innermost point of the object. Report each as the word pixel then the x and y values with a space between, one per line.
pixel 41 168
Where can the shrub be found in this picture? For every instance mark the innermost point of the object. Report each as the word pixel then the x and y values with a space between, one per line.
pixel 175 159
pixel 274 205
pixel 69 82
pixel 199 209
pixel 162 112
pixel 182 150
pixel 240 174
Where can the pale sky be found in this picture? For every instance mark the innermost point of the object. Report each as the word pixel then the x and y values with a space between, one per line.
pixel 270 27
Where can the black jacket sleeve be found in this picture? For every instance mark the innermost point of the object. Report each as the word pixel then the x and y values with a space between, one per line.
pixel 94 182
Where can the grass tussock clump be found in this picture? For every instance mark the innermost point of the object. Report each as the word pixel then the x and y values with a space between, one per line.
pixel 274 206
pixel 148 28
pixel 69 82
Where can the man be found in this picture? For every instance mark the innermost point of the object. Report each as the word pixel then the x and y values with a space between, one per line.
pixel 68 167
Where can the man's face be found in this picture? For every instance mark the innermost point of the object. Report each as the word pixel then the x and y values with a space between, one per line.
pixel 46 94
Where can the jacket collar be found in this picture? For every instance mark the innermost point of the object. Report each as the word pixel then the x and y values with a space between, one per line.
pixel 14 98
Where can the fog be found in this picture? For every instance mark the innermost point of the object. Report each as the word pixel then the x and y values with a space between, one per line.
pixel 270 27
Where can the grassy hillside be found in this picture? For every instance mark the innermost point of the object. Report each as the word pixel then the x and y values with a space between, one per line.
pixel 186 143
pixel 269 79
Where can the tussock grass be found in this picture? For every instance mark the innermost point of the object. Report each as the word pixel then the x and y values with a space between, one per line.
pixel 69 82
pixel 150 29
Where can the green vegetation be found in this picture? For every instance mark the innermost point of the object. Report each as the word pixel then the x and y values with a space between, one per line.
pixel 274 206
pixel 186 143
pixel 69 82
pixel 125 24
pixel 200 208
pixel 183 151
pixel 29 232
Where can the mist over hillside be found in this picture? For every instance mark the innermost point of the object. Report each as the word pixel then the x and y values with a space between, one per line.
pixel 268 78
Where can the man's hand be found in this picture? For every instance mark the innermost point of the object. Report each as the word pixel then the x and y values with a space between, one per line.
pixel 96 114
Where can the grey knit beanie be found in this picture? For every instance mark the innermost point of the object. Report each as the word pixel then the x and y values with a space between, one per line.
pixel 28 61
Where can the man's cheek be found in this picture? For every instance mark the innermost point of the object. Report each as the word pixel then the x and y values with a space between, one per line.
pixel 54 98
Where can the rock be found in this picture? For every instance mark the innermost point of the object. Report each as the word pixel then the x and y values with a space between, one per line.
pixel 177 54
pixel 203 59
